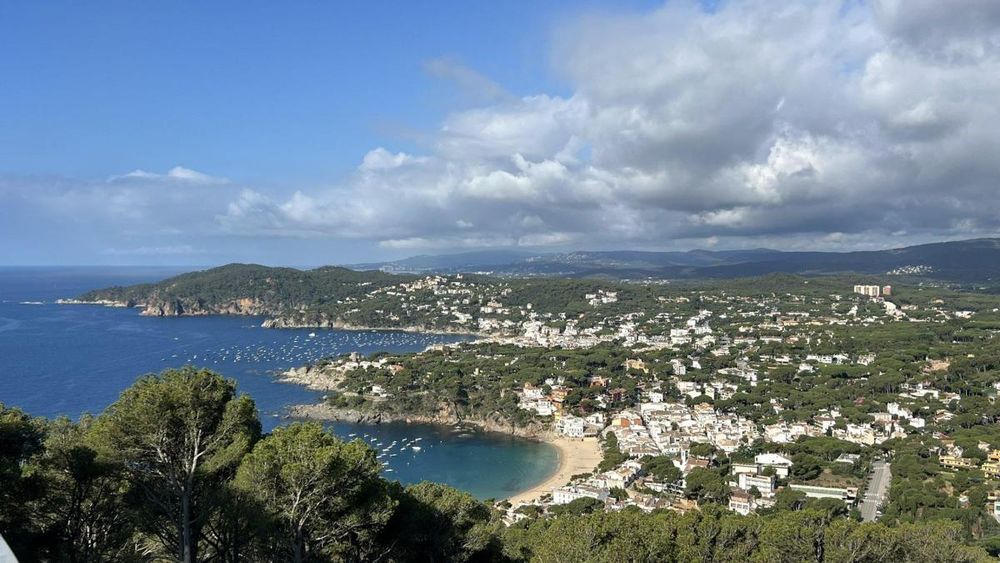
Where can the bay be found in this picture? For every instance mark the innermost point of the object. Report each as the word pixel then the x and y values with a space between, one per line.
pixel 66 360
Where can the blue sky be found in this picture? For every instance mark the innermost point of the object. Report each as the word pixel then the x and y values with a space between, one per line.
pixel 332 132
pixel 269 91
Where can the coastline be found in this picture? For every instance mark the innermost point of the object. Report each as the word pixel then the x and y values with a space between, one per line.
pixel 272 321
pixel 576 456
pixel 280 323
pixel 324 412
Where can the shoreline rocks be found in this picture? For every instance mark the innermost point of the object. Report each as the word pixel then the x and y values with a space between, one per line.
pixel 247 307
pixel 324 412
pixel 285 322
pixel 102 302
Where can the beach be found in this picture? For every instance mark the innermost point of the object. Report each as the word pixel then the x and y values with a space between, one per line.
pixel 575 456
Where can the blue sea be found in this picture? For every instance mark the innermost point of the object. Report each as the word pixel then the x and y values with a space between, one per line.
pixel 66 360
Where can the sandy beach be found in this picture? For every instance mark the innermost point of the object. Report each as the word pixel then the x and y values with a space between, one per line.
pixel 575 456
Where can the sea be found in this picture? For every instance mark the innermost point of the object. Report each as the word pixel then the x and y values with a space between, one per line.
pixel 67 360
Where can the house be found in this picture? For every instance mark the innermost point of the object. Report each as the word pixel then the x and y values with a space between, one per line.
pixel 531 393
pixel 626 419
pixel 647 503
pixel 956 462
pixel 542 406
pixel 741 502
pixel 693 463
pixel 993 504
pixel 619 477
pixel 618 395
pixel 848 458
pixel 781 464
pixel 764 483
pixel 569 493
pixel 992 466
pixel 737 468
pixel 558 394
pixel 571 426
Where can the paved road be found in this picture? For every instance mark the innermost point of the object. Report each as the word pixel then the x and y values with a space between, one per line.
pixel 876 491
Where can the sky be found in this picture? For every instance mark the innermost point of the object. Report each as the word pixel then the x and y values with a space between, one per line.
pixel 311 133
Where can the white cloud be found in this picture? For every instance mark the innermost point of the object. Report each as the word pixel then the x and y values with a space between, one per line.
pixel 176 174
pixel 818 123
pixel 747 122
pixel 381 159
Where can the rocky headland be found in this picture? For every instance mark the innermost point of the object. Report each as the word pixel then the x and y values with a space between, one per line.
pixel 325 412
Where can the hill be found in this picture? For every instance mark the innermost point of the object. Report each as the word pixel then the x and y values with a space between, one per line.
pixel 247 289
pixel 976 260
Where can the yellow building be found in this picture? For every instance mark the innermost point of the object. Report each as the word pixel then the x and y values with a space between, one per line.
pixel 992 466
pixel 953 462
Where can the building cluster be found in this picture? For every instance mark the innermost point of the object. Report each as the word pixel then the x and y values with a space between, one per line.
pixel 754 483
pixel 873 290
pixel 602 297
pixel 486 307
pixel 745 340
pixel 953 456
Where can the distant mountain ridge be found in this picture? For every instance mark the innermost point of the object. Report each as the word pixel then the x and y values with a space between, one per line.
pixel 975 260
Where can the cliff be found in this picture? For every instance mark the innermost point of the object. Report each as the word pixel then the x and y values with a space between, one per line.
pixel 176 307
pixel 322 411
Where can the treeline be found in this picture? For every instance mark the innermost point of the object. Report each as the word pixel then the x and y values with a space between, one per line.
pixel 714 534
pixel 275 289
pixel 178 469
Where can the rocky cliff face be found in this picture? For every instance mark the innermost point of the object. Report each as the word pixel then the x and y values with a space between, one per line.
pixel 494 423
pixel 173 308
pixel 193 307
pixel 299 321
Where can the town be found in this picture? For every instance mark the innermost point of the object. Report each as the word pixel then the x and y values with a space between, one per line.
pixel 814 392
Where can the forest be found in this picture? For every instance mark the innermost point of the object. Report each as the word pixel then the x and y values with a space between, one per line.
pixel 177 469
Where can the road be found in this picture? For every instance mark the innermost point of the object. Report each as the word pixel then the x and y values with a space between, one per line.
pixel 875 492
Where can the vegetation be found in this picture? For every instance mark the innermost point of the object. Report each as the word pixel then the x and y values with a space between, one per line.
pixel 177 469
pixel 912 380
pixel 716 535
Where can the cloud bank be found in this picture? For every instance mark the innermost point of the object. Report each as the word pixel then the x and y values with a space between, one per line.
pixel 816 124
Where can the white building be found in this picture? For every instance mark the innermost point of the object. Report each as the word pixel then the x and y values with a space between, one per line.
pixel 764 483
pixel 868 290
pixel 781 464
pixel 571 426
pixel 569 493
